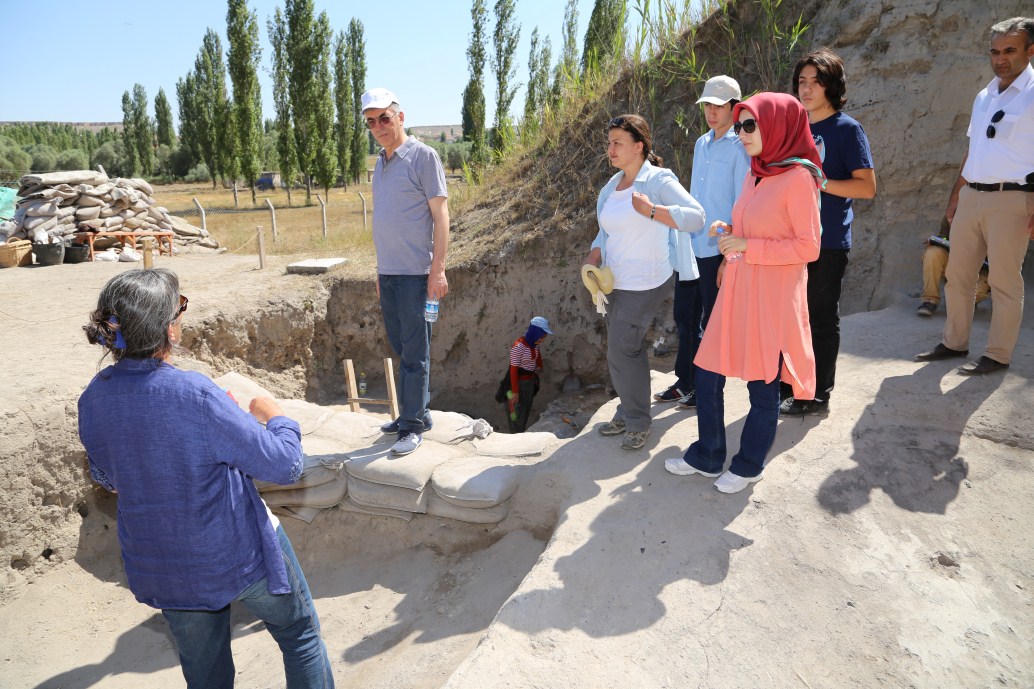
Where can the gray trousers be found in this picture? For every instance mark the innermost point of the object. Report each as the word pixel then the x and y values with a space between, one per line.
pixel 629 315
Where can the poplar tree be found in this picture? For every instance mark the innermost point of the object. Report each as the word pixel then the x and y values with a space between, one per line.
pixel 324 163
pixel 286 154
pixel 210 105
pixel 504 39
pixel 539 58
pixel 243 59
pixel 357 67
pixel 302 56
pixel 128 135
pixel 567 66
pixel 343 100
pixel 474 93
pixel 604 36
pixel 143 131
pixel 186 95
pixel 163 119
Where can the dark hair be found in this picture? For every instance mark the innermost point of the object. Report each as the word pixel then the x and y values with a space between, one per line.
pixel 733 102
pixel 1015 25
pixel 830 70
pixel 139 306
pixel 640 131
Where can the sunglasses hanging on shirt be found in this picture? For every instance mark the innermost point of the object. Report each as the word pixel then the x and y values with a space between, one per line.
pixel 995 119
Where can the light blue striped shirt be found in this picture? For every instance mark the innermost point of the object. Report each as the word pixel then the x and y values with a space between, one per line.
pixel 719 168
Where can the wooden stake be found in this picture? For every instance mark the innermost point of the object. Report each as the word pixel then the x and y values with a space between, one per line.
pixel 261 247
pixel 148 253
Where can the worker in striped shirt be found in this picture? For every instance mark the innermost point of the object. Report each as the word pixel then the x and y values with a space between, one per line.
pixel 525 363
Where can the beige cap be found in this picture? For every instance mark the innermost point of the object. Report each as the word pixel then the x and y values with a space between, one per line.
pixel 720 90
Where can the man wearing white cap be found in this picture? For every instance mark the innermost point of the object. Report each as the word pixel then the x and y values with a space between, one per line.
pixel 720 165
pixel 410 236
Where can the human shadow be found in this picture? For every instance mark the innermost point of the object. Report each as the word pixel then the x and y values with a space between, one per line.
pixel 913 457
pixel 657 529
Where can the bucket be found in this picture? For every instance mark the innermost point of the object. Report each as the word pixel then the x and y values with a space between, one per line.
pixel 77 253
pixel 49 254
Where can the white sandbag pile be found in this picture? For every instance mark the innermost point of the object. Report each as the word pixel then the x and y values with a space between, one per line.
pixel 54 205
pixel 461 471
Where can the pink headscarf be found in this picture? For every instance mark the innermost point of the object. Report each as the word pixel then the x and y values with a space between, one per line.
pixel 785 132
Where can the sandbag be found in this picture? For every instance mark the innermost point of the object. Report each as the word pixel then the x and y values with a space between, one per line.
pixel 65 177
pixel 242 388
pixel 87 213
pixel 316 470
pixel 378 465
pixel 514 444
pixel 308 415
pixel 490 515
pixel 451 427
pixel 306 514
pixel 369 494
pixel 476 482
pixel 324 495
pixel 350 505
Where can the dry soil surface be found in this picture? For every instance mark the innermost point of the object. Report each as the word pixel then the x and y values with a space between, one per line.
pixel 889 544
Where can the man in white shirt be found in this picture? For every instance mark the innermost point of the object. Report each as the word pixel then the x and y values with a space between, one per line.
pixel 991 209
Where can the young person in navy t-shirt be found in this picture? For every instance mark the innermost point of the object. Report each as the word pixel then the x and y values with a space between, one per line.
pixel 819 83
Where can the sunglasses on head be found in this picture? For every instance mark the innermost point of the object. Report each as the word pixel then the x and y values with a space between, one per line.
pixel 747 126
pixel 384 120
pixel 995 119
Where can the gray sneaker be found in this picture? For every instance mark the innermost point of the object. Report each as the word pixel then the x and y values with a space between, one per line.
pixel 635 440
pixel 407 443
pixel 612 428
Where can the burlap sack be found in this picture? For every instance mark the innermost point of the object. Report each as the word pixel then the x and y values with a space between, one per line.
pixel 369 494
pixel 87 213
pixel 324 495
pixel 350 505
pixel 476 482
pixel 490 515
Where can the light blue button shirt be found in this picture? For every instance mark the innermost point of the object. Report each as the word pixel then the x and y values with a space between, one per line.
pixel 719 167
pixel 662 187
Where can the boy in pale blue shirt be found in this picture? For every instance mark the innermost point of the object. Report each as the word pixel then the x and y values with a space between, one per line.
pixel 720 165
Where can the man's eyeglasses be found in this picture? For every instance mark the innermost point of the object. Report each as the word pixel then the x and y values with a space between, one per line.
pixel 995 119
pixel 746 125
pixel 183 305
pixel 384 120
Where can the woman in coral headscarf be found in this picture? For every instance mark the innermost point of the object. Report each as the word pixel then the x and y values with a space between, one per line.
pixel 759 328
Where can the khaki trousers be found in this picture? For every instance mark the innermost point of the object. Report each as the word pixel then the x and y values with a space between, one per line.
pixel 935 262
pixel 992 224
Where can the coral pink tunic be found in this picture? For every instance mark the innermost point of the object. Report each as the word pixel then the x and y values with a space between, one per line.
pixel 762 306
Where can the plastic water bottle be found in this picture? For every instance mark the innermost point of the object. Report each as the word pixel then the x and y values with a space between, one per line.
pixel 431 310
pixel 732 255
pixel 362 383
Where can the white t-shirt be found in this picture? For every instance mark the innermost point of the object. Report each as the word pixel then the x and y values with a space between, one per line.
pixel 637 247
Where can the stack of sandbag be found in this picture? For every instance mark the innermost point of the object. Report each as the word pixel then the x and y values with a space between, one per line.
pixel 54 205
pixel 461 471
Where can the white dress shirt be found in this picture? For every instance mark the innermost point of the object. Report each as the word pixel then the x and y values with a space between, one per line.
pixel 1009 156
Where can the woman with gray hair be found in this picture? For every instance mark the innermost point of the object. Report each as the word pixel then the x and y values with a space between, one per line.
pixel 181 455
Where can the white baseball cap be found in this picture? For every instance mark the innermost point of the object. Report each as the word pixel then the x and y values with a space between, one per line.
pixel 378 98
pixel 541 322
pixel 718 90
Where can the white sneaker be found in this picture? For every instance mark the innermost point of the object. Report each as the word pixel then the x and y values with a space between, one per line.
pixel 680 467
pixel 731 483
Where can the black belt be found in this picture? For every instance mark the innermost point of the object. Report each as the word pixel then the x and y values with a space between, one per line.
pixel 1001 186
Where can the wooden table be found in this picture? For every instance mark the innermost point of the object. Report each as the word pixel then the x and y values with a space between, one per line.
pixel 164 238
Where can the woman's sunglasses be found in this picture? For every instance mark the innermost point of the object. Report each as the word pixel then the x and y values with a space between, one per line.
pixel 747 126
pixel 995 119
pixel 183 305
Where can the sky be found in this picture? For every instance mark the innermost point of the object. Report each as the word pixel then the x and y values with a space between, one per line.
pixel 71 61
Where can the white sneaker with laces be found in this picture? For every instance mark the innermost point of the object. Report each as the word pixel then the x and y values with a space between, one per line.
pixel 731 483
pixel 680 467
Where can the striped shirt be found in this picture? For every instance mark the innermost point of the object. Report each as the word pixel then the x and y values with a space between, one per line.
pixel 524 356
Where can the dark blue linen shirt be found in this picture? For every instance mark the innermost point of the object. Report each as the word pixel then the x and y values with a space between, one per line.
pixel 181 454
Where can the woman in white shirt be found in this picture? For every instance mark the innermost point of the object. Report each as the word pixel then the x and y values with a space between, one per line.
pixel 640 212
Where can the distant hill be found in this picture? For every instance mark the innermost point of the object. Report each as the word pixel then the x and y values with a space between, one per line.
pixel 91 126
pixel 453 132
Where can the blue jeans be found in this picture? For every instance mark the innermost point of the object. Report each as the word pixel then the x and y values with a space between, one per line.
pixel 694 300
pixel 708 452
pixel 203 637
pixel 402 304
